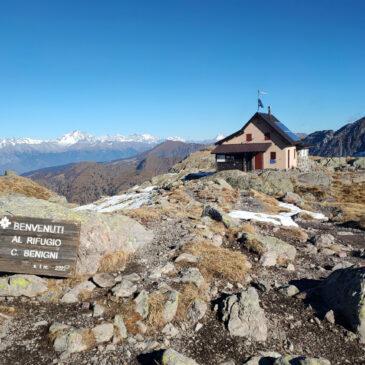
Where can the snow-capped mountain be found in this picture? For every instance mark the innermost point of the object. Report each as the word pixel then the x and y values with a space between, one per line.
pixel 28 154
pixel 76 136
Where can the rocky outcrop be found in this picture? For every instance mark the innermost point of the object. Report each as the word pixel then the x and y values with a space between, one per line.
pixel 102 236
pixel 244 317
pixel 344 293
pixel 272 250
pixel 347 141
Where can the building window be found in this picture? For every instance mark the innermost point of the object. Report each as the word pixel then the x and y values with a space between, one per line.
pixel 249 137
pixel 267 136
pixel 221 158
pixel 272 157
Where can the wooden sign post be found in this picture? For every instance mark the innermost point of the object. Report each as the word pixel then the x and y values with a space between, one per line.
pixel 38 246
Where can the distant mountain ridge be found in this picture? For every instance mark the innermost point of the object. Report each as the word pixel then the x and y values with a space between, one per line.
pixel 27 154
pixel 346 141
pixel 86 182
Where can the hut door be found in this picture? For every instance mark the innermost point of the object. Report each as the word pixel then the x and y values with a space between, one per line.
pixel 259 161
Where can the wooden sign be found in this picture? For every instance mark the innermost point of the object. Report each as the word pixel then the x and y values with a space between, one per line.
pixel 38 246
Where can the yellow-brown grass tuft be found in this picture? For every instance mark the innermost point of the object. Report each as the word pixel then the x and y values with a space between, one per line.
pixel 219 262
pixel 293 233
pixel 88 338
pixel 144 215
pixel 130 317
pixel 113 262
pixel 188 293
pixel 156 301
pixel 23 186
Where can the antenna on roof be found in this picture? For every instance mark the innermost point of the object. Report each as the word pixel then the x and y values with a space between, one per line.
pixel 269 110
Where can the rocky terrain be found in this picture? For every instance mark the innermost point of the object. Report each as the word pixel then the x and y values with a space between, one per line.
pixel 347 141
pixel 197 267
pixel 86 182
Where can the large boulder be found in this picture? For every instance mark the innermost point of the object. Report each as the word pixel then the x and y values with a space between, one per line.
pixel 272 250
pixel 22 285
pixel 275 183
pixel 344 293
pixel 244 317
pixel 172 357
pixel 106 240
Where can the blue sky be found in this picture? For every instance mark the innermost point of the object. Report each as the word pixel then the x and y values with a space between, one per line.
pixel 178 67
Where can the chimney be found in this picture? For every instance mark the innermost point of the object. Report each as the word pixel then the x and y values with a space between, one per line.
pixel 269 110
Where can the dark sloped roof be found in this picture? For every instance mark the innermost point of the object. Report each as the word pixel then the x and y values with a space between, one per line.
pixel 270 119
pixel 241 147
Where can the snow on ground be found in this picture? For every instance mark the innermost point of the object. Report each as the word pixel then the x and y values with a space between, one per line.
pixel 114 203
pixel 281 219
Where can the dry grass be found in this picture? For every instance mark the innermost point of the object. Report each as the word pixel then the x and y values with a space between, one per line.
pixel 113 262
pixel 188 293
pixel 225 197
pixel 219 262
pixel 156 301
pixel 296 234
pixel 144 215
pixel 23 186
pixel 130 317
pixel 254 245
pixel 88 338
pixel 318 192
pixel 271 204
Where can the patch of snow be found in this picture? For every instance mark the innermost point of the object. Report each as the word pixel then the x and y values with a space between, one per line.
pixel 281 219
pixel 219 137
pixel 119 202
pixel 176 139
pixel 74 137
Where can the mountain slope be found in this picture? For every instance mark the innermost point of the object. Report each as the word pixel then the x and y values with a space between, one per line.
pixel 88 181
pixel 347 141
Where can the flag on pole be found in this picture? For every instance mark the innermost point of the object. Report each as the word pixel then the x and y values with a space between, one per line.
pixel 259 103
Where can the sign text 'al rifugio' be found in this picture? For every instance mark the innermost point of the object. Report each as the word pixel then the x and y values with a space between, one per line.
pixel 38 246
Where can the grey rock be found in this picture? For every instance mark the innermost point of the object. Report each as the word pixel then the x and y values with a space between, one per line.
pixel 197 310
pixel 271 249
pixel 244 317
pixel 98 310
pixel 324 240
pixel 124 289
pixel 120 328
pixel 100 233
pixel 292 198
pixel 212 212
pixel 170 306
pixel 70 340
pixel 330 316
pixel 103 332
pixel 170 330
pixel 104 280
pixel 22 285
pixel 142 306
pixel 192 275
pixel 289 290
pixel 172 357
pixel 72 295
pixel 187 257
pixel 343 292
